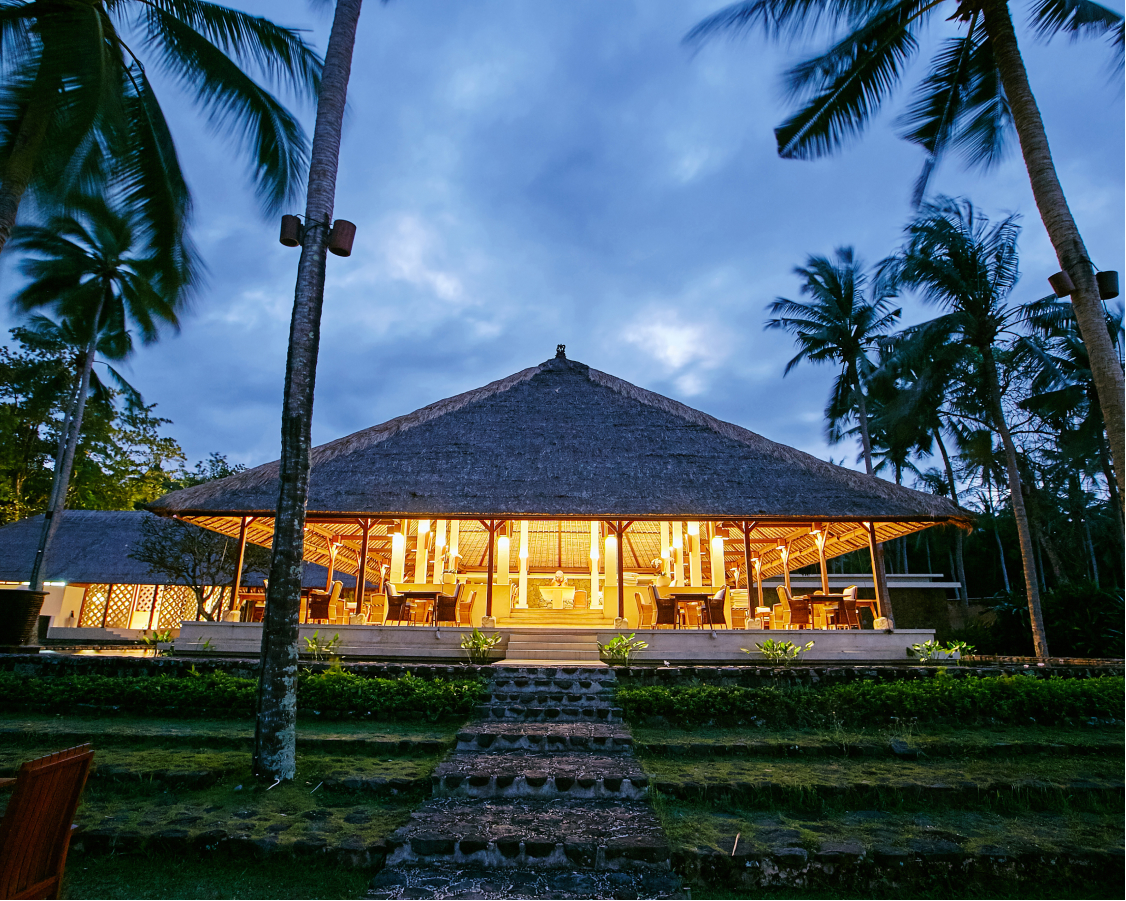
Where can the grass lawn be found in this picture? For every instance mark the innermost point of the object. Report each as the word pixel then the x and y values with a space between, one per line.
pixel 136 876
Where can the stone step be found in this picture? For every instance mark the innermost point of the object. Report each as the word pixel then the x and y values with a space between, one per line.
pixel 595 673
pixel 570 714
pixel 570 654
pixel 589 834
pixel 550 699
pixel 506 682
pixel 403 882
pixel 540 775
pixel 574 737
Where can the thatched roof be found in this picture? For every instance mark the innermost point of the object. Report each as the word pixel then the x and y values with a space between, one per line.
pixel 93 546
pixel 563 440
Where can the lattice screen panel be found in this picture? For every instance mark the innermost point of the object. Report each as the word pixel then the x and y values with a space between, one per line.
pixel 119 609
pixel 177 603
pixel 93 606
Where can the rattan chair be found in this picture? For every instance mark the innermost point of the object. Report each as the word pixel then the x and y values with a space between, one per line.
pixel 395 609
pixel 445 610
pixel 791 612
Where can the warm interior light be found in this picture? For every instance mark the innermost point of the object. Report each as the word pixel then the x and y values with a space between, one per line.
pixel 693 528
pixel 524 552
pixel 677 538
pixel 502 544
pixel 397 540
pixel 594 555
pixel 666 554
pixel 423 526
pixel 781 548
pixel 611 543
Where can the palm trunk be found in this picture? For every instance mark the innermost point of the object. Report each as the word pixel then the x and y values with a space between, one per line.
pixel 1106 371
pixel 1032 584
pixel 866 442
pixel 1053 558
pixel 959 537
pixel 53 517
pixel 275 728
pixel 20 165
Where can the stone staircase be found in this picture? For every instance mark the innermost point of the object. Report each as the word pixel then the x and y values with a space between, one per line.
pixel 534 808
pixel 553 644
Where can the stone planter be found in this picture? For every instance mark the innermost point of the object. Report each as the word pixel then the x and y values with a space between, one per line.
pixel 19 615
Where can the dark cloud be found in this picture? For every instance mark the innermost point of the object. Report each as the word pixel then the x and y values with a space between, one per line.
pixel 527 174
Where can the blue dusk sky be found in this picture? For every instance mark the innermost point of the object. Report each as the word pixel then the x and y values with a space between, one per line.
pixel 525 173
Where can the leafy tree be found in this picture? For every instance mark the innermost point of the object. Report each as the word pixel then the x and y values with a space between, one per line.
pixel 93 269
pixel 200 559
pixel 974 95
pixel 275 746
pixel 956 259
pixel 78 112
pixel 841 323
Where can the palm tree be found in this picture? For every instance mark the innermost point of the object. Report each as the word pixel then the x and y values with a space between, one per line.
pixel 78 112
pixel 275 733
pixel 841 324
pixel 974 95
pixel 92 270
pixel 956 259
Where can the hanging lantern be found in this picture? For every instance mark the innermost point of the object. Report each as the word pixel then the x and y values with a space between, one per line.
pixel 341 237
pixel 1108 284
pixel 1061 284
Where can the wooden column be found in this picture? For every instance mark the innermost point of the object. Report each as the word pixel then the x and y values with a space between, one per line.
pixel 332 545
pixel 241 562
pixel 821 537
pixel 621 569
pixel 784 550
pixel 491 528
pixel 152 609
pixel 758 581
pixel 362 577
pixel 877 570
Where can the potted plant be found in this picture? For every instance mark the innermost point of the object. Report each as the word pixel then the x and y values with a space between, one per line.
pixel 619 649
pixel 478 646
pixel 780 652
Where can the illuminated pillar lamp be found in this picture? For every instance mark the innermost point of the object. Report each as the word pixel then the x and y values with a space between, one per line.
pixel 522 601
pixel 439 551
pixel 595 592
pixel 398 557
pixel 678 553
pixel 502 560
pixel 611 560
pixel 421 551
pixel 718 574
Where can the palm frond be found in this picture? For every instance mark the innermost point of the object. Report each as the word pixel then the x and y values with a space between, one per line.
pixel 774 18
pixel 281 52
pixel 848 83
pixel 236 105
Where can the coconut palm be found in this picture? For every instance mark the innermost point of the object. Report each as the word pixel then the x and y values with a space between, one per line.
pixel 846 315
pixel 92 269
pixel 275 732
pixel 974 95
pixel 957 259
pixel 78 112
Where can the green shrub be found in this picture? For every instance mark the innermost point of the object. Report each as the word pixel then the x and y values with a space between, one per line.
pixel 335 692
pixel 1012 700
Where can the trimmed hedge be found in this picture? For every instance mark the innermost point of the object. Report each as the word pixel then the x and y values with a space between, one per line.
pixel 336 693
pixel 1009 700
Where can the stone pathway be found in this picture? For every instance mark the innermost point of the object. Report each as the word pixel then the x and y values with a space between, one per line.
pixel 542 798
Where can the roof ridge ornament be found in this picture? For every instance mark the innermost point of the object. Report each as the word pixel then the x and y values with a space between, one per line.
pixel 561 351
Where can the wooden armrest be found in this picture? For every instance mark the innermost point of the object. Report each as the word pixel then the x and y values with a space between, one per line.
pixel 7 783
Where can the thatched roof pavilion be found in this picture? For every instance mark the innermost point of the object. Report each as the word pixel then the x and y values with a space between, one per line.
pixel 560 446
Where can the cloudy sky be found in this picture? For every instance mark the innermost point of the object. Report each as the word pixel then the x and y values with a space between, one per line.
pixel 525 173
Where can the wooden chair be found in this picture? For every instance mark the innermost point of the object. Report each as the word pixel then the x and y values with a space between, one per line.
pixel 847 616
pixel 421 612
pixel 580 601
pixel 646 612
pixel 713 610
pixel 445 611
pixel 739 617
pixel 666 609
pixel 37 826
pixel 465 610
pixel 690 611
pixel 323 605
pixel 395 606
pixel 791 612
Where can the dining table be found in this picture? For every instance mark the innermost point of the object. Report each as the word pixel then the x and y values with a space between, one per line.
pixel 557 594
pixel 688 595
pixel 417 596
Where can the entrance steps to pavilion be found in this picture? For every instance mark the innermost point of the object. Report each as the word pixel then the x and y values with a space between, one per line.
pixel 551 694
pixel 553 645
pixel 535 810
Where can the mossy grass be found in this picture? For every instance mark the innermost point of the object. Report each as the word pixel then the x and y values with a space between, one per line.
pixel 128 727
pixel 715 826
pixel 944 738
pixel 136 876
